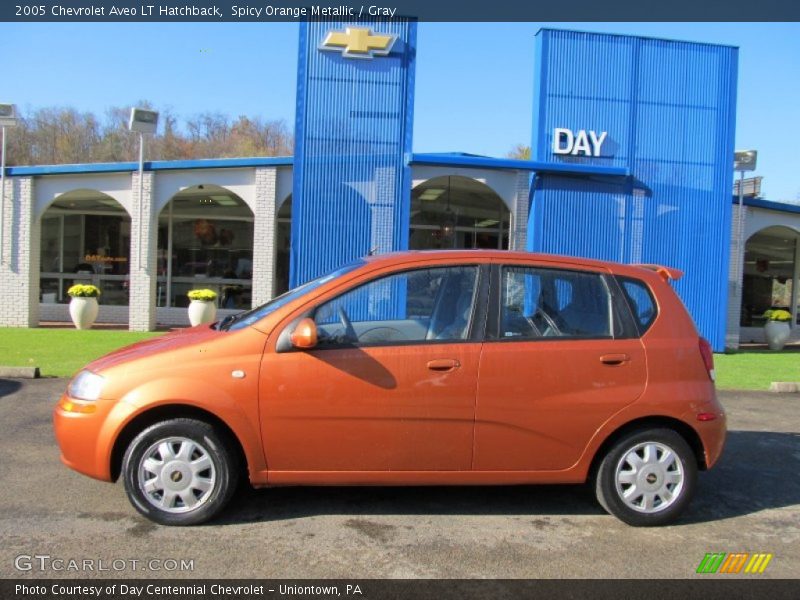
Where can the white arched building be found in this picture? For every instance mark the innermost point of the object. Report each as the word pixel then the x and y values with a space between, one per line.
pixel 769 267
pixel 225 224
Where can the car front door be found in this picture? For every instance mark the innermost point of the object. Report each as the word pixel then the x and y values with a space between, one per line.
pixel 561 362
pixel 390 385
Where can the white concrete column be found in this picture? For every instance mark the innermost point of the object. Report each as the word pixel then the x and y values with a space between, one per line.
pixel 19 259
pixel 519 212
pixel 142 313
pixel 382 209
pixel 265 221
pixel 735 275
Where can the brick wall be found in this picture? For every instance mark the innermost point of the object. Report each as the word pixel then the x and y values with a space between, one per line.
pixel 519 212
pixel 264 235
pixel 19 259
pixel 106 314
pixel 142 313
pixel 734 279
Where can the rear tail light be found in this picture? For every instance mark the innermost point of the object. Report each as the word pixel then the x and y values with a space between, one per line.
pixel 708 357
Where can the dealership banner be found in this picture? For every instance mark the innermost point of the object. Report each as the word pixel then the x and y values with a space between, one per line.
pixel 397 589
pixel 422 10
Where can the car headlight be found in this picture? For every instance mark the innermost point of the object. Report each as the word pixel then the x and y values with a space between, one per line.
pixel 86 386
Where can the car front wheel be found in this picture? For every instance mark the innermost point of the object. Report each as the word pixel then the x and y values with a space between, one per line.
pixel 179 472
pixel 647 478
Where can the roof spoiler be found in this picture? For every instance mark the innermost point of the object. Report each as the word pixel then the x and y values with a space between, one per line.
pixel 666 273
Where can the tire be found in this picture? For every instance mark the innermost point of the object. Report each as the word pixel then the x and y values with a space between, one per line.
pixel 180 472
pixel 647 478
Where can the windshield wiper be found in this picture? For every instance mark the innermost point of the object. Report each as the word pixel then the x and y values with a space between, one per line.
pixel 228 321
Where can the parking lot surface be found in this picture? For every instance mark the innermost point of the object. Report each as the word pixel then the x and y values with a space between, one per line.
pixel 749 503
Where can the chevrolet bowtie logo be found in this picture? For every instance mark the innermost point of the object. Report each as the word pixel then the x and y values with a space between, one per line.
pixel 358 42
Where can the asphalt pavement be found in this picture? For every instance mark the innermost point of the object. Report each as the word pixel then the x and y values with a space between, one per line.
pixel 57 523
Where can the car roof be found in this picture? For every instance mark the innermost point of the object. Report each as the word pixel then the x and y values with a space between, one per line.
pixel 400 257
pixel 647 272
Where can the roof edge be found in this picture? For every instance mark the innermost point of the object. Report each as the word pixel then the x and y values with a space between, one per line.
pixel 156 165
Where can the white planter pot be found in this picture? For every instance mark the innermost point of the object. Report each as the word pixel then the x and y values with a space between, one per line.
pixel 201 312
pixel 777 334
pixel 83 312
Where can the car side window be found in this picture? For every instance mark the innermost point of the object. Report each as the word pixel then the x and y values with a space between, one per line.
pixel 641 302
pixel 540 303
pixel 434 304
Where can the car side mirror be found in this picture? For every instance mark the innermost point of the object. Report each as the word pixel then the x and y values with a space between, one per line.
pixel 304 336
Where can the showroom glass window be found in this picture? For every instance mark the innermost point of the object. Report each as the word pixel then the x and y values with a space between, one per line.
pixel 205 240
pixel 769 272
pixel 457 212
pixel 85 238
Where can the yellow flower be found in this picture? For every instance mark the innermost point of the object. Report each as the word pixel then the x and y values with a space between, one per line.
pixel 778 315
pixel 84 291
pixel 202 295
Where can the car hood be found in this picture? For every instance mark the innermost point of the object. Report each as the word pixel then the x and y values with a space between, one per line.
pixel 165 343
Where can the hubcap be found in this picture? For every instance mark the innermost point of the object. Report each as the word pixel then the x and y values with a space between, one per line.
pixel 176 475
pixel 649 477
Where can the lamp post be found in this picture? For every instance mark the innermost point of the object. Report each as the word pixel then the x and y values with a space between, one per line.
pixel 743 161
pixel 142 121
pixel 8 118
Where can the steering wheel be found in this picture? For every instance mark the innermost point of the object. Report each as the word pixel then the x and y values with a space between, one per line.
pixel 544 323
pixel 381 334
pixel 349 330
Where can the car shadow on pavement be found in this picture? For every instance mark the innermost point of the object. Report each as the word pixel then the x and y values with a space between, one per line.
pixel 279 504
pixel 757 471
pixel 9 386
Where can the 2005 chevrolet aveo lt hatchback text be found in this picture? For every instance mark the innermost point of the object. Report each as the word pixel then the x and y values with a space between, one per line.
pixel 417 368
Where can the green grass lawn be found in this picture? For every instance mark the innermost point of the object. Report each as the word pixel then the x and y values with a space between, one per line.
pixel 756 369
pixel 61 352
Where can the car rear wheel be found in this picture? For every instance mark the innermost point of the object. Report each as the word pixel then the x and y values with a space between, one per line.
pixel 647 478
pixel 180 472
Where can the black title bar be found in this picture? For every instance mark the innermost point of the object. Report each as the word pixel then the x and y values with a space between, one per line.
pixel 424 10
pixel 707 587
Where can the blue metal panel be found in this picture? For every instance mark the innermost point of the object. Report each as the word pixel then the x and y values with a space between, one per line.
pixel 669 110
pixel 488 162
pixel 353 132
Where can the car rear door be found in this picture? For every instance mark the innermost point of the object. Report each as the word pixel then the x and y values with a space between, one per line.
pixel 559 360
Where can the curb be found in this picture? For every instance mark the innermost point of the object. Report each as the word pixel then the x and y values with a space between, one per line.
pixel 20 372
pixel 784 387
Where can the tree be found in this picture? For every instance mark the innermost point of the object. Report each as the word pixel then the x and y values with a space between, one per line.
pixel 59 135
pixel 520 151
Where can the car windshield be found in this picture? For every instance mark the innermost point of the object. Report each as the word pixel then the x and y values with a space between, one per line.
pixel 247 318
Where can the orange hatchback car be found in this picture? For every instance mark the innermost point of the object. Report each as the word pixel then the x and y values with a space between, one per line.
pixel 416 368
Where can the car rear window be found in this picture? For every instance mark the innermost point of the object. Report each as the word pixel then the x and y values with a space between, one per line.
pixel 539 303
pixel 640 299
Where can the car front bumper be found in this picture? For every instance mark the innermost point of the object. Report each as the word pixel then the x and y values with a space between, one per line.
pixel 86 432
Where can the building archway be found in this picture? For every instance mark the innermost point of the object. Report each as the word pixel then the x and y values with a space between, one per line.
pixel 454 211
pixel 205 240
pixel 85 238
pixel 770 274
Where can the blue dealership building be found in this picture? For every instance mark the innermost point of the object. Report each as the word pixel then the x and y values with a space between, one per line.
pixel 631 160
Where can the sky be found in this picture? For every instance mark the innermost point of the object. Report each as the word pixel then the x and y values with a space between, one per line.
pixel 469 98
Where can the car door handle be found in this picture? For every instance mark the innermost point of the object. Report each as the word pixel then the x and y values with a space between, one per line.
pixel 614 360
pixel 443 364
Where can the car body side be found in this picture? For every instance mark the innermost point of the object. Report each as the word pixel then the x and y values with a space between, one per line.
pixel 191 373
